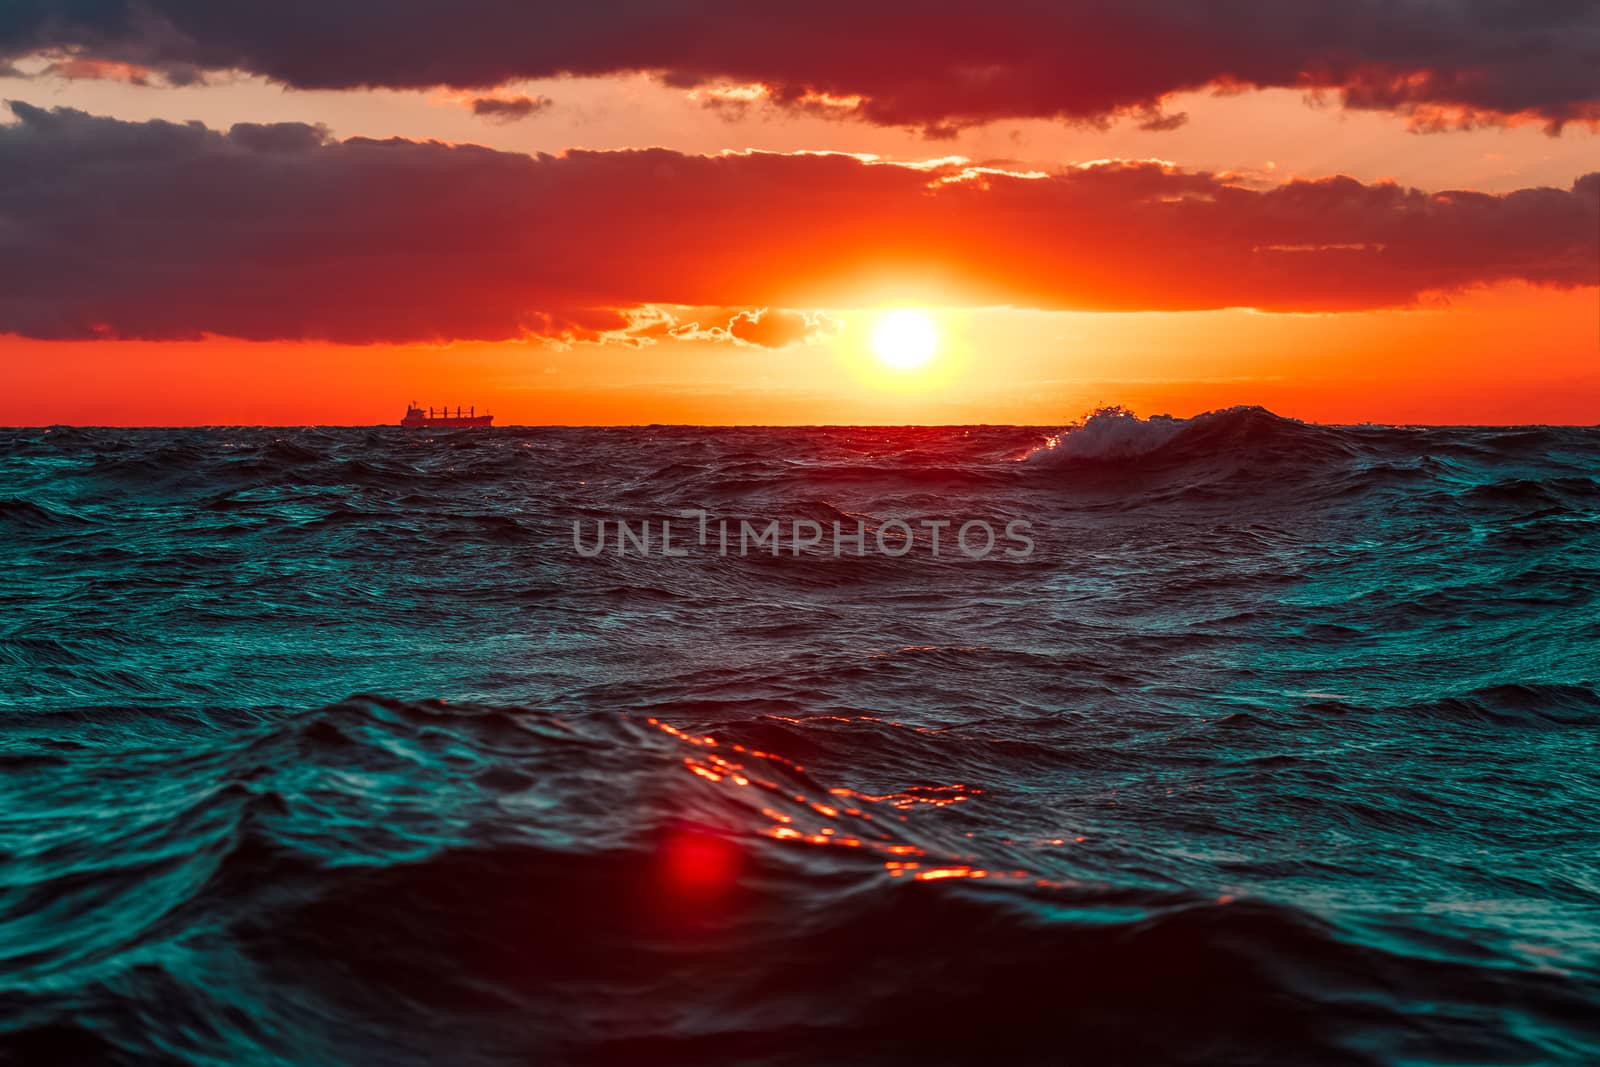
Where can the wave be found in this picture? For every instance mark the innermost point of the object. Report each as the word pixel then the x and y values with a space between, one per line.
pixel 543 876
pixel 1161 459
pixel 1117 433
pixel 29 517
pixel 1520 704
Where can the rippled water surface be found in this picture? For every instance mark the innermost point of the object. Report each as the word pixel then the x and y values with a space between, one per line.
pixel 325 747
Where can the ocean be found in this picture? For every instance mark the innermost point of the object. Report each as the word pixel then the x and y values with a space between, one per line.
pixel 1278 743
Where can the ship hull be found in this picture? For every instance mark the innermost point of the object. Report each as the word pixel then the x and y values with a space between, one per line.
pixel 425 423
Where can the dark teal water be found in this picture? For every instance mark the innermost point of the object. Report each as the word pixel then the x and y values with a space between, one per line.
pixel 324 746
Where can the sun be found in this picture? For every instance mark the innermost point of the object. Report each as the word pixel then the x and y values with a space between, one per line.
pixel 905 339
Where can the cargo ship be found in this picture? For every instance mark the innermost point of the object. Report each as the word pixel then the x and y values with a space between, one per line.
pixel 418 419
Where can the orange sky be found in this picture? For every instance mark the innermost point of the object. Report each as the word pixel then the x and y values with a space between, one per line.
pixel 1505 352
pixel 1512 354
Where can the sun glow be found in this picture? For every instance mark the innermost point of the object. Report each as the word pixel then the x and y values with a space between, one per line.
pixel 905 339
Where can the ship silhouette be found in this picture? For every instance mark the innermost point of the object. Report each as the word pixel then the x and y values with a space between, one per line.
pixel 418 419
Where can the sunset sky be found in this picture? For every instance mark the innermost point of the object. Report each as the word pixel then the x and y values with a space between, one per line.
pixel 625 213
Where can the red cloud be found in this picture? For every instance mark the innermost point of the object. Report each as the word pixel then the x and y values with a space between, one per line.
pixel 937 66
pixel 155 230
pixel 81 68
pixel 649 324
pixel 779 328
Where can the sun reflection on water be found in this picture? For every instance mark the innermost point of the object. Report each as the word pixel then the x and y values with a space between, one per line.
pixel 819 823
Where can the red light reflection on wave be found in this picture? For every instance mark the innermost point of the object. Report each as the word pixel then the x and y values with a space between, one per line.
pixel 699 862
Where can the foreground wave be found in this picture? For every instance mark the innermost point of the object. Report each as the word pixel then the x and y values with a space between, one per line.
pixel 611 888
pixel 1280 748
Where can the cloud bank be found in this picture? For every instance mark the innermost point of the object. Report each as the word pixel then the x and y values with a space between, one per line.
pixel 157 230
pixel 934 65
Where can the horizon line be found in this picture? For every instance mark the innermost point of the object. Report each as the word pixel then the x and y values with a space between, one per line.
pixel 766 425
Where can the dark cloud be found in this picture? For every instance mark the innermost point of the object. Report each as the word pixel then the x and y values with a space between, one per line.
pixel 162 230
pixel 1157 122
pixel 934 65
pixel 508 109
